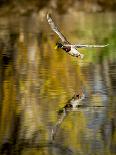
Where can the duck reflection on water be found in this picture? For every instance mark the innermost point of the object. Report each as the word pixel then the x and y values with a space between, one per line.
pixel 79 102
pixel 72 104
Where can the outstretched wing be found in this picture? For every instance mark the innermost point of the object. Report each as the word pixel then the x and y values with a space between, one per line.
pixel 55 29
pixel 86 46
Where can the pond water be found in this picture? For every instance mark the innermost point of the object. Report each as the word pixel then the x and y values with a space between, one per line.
pixel 37 82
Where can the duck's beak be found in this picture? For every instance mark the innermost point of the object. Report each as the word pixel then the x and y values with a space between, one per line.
pixel 55 47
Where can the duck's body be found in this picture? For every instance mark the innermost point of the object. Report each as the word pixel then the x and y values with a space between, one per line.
pixel 70 50
pixel 65 45
pixel 73 103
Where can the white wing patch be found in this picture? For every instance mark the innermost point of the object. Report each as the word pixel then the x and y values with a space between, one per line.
pixel 86 46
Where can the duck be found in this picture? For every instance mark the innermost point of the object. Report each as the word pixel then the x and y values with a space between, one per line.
pixel 75 101
pixel 71 49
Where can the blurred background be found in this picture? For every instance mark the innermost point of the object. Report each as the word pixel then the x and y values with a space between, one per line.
pixel 62 6
pixel 36 80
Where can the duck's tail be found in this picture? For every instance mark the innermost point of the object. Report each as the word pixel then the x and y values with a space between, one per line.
pixel 81 56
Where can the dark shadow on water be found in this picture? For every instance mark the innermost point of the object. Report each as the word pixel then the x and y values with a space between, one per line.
pixel 10 149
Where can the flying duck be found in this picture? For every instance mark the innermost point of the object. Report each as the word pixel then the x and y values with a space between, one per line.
pixel 66 45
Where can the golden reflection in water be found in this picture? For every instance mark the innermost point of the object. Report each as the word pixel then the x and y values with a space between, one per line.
pixel 37 81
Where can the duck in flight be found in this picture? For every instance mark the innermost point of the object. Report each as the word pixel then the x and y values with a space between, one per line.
pixel 71 49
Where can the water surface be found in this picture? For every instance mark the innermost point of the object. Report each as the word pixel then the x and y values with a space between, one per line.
pixel 36 81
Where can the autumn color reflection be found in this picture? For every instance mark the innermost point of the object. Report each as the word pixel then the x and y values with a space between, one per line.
pixel 37 80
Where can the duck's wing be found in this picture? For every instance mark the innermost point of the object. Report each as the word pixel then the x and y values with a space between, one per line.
pixel 86 46
pixel 56 29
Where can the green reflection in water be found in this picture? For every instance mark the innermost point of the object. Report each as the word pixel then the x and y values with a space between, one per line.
pixel 36 81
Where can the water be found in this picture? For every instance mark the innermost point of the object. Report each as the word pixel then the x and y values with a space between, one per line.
pixel 37 82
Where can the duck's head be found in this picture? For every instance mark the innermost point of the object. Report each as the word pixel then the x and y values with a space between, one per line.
pixel 59 45
pixel 79 96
